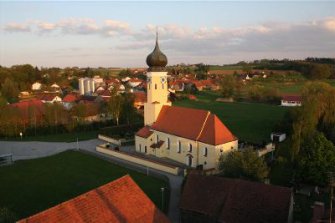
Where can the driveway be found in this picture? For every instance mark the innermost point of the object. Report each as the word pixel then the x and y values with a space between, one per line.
pixel 22 150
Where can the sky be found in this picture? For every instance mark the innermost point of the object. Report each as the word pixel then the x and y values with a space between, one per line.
pixel 122 34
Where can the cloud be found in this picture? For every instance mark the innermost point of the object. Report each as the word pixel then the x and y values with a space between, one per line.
pixel 271 39
pixel 16 27
pixel 114 27
pixel 329 24
pixel 78 26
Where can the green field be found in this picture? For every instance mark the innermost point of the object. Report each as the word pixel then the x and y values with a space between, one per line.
pixel 30 186
pixel 251 122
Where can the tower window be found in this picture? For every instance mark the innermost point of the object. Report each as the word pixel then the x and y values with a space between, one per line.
pixel 168 143
pixel 190 148
pixel 179 147
pixel 155 86
pixel 157 138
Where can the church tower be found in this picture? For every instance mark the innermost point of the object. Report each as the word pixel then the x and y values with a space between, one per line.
pixel 157 87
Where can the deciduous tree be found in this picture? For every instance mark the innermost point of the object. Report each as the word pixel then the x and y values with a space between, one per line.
pixel 243 164
pixel 317 157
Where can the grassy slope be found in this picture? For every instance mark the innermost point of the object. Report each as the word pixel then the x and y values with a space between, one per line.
pixel 248 121
pixel 28 187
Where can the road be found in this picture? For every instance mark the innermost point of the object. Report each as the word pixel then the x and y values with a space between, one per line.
pixel 22 150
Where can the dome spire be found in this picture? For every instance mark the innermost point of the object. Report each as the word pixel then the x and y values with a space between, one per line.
pixel 156 60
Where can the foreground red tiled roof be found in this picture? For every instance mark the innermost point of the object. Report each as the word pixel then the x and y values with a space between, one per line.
pixel 235 200
pixel 144 132
pixel 118 201
pixel 194 124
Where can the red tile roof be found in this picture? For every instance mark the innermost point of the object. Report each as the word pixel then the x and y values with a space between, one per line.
pixel 144 132
pixel 140 97
pixel 194 124
pixel 215 132
pixel 292 98
pixel 47 96
pixel 118 201
pixel 235 200
pixel 71 97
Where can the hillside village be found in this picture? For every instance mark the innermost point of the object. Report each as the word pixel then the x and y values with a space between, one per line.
pixel 167 120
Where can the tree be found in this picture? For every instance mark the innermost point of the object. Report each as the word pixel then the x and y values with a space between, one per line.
pixel 317 157
pixel 128 109
pixel 228 86
pixel 317 71
pixel 7 216
pixel 201 71
pixel 317 113
pixel 243 164
pixel 115 105
pixel 10 90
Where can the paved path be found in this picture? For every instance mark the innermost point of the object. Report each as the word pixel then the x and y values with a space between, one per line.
pixel 30 150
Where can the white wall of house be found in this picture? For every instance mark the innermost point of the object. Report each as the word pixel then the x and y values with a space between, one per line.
pixel 188 149
pixel 290 103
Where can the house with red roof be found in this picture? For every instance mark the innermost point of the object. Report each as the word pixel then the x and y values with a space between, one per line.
pixel 49 98
pixel 139 99
pixel 194 137
pixel 69 100
pixel 291 100
pixel 121 200
pixel 224 200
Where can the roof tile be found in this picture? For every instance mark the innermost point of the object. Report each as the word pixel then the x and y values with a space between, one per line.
pixel 118 201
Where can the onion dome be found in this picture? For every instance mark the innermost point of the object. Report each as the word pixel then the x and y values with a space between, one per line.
pixel 156 60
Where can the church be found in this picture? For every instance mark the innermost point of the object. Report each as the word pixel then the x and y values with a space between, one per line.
pixel 194 137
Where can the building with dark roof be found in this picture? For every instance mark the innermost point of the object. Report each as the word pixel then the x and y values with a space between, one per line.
pixel 223 200
pixel 121 200
pixel 193 137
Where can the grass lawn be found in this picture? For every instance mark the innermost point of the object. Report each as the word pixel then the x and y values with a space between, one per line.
pixel 251 122
pixel 30 186
pixel 60 137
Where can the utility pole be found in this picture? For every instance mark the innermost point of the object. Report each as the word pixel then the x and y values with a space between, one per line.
pixel 331 176
pixel 162 189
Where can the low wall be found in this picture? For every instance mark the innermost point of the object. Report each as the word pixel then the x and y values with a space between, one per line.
pixel 139 160
pixel 110 140
pixel 117 142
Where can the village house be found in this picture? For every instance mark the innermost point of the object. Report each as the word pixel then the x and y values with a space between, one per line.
pixel 223 200
pixel 193 137
pixel 69 100
pixel 291 100
pixel 139 99
pixel 121 200
pixel 49 98
pixel 36 86
pixel 55 87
